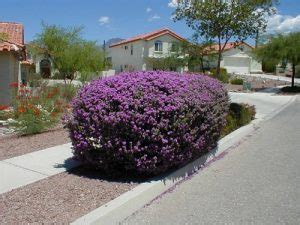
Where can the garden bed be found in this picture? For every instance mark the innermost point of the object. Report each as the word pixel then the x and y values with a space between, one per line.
pixel 61 198
pixel 288 90
pixel 256 85
pixel 13 145
pixel 67 196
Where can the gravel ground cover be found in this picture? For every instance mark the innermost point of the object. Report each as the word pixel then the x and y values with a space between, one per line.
pixel 12 145
pixel 60 199
pixel 257 85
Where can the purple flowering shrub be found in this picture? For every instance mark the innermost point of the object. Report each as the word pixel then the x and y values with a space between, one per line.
pixel 147 122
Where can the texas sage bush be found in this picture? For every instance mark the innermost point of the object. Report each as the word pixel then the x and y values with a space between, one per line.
pixel 146 122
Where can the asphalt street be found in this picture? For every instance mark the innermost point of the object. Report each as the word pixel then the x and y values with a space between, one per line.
pixel 257 182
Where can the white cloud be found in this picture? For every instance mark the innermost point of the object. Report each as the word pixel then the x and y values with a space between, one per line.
pixel 103 20
pixel 148 9
pixel 154 17
pixel 283 24
pixel 173 3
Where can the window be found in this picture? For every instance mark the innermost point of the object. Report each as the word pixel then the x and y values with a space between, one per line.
pixel 158 46
pixel 131 49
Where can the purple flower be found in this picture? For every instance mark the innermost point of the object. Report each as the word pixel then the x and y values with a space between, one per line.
pixel 147 122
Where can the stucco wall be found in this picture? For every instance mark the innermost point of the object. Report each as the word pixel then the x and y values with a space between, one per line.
pixel 141 50
pixel 37 61
pixel 121 56
pixel 235 61
pixel 166 40
pixel 9 68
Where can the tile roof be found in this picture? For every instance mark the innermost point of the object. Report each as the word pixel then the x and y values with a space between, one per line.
pixel 149 36
pixel 15 39
pixel 228 46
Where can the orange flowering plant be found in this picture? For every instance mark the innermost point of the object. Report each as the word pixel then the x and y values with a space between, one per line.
pixel 37 110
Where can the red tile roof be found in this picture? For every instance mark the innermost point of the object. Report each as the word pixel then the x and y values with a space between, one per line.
pixel 149 36
pixel 229 45
pixel 15 36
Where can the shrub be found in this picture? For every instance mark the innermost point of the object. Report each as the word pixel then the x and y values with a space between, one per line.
pixel 34 80
pixel 146 122
pixel 289 89
pixel 5 112
pixel 237 81
pixel 35 113
pixel 67 91
pixel 223 77
pixel 238 116
pixel 57 76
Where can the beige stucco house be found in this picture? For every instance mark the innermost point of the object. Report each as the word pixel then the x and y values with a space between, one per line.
pixel 131 54
pixel 237 58
pixel 13 64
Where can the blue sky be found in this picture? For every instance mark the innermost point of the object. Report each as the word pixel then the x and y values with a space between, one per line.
pixel 105 19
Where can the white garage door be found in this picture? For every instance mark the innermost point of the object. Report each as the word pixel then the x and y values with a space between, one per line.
pixel 237 64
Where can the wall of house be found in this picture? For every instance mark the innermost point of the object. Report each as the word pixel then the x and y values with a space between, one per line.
pixel 37 61
pixel 123 60
pixel 166 40
pixel 237 60
pixel 121 57
pixel 9 68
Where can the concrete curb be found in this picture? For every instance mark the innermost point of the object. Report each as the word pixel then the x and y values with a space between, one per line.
pixel 125 205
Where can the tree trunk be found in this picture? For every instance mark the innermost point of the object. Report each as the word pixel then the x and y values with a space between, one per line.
pixel 293 75
pixel 256 39
pixel 219 64
pixel 202 65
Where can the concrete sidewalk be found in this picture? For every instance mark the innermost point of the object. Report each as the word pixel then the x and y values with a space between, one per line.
pixel 25 169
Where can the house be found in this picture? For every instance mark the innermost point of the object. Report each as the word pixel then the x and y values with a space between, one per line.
pixel 131 54
pixel 237 58
pixel 13 63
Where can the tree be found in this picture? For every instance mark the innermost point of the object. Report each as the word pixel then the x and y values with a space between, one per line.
pixel 168 63
pixel 69 52
pixel 3 37
pixel 282 49
pixel 171 61
pixel 197 53
pixel 220 21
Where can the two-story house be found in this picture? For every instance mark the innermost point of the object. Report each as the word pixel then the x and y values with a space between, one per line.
pixel 131 54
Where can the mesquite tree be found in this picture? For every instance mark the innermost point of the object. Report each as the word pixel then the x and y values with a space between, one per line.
pixel 221 21
pixel 69 52
pixel 282 48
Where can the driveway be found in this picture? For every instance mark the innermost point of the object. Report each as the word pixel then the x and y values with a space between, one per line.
pixel 258 181
pixel 266 103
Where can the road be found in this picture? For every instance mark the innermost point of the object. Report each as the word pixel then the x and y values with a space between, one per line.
pixel 257 182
